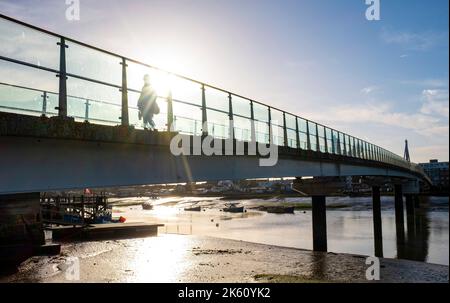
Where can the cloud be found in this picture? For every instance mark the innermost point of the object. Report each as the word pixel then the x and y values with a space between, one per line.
pixel 436 102
pixel 382 113
pixel 368 90
pixel 435 151
pixel 414 41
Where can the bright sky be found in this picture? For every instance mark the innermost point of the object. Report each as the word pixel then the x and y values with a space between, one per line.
pixel 384 81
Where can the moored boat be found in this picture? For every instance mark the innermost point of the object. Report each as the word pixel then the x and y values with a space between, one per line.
pixel 280 210
pixel 233 208
pixel 196 208
pixel 147 205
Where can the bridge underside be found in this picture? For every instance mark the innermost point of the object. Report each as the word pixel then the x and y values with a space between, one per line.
pixel 43 164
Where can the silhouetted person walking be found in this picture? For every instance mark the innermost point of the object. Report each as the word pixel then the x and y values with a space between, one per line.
pixel 147 105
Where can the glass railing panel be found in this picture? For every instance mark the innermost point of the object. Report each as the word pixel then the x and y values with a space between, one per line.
pixel 328 134
pixel 303 140
pixel 261 112
pixel 277 117
pixel 322 142
pixel 241 107
pixel 187 118
pixel 313 135
pixel 133 112
pixel 342 145
pixel 21 87
pixel 242 129
pixel 312 128
pixel 186 91
pixel 20 100
pixel 335 137
pixel 216 99
pixel 52 104
pixel 278 135
pixel 302 125
pixel 348 145
pixel 28 45
pixel 218 124
pixel 292 138
pixel 291 122
pixel 104 102
pixel 262 132
pixel 20 75
pixel 93 64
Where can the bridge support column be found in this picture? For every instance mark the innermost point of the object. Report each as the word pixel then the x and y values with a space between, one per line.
pixel 410 215
pixel 21 227
pixel 319 221
pixel 399 221
pixel 377 223
pixel 416 201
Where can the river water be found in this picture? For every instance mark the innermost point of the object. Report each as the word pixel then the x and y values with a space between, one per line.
pixel 349 224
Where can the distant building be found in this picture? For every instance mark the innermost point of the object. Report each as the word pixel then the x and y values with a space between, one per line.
pixel 438 173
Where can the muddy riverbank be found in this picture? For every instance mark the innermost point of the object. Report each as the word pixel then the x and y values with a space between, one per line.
pixel 177 258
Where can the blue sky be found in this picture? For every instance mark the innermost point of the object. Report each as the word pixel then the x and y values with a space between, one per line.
pixel 384 81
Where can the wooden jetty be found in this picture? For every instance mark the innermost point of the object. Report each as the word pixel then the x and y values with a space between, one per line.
pixel 104 231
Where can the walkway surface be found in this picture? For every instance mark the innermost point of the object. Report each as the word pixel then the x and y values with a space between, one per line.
pixel 176 258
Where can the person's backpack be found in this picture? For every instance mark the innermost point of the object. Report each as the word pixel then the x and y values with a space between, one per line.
pixel 156 109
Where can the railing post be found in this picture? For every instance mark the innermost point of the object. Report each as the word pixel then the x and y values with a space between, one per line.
pixel 308 139
pixel 297 129
pixel 125 118
pixel 86 112
pixel 286 143
pixel 270 126
pixel 317 139
pixel 170 117
pixel 339 151
pixel 326 140
pixel 62 98
pixel 345 145
pixel 231 117
pixel 252 126
pixel 349 143
pixel 204 113
pixel 333 145
pixel 44 103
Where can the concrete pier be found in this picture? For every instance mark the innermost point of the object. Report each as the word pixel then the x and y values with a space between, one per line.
pixel 399 214
pixel 410 215
pixel 319 221
pixel 20 227
pixel 377 223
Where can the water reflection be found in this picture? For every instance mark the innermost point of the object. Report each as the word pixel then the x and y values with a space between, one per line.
pixel 415 247
pixel 164 262
pixel 349 231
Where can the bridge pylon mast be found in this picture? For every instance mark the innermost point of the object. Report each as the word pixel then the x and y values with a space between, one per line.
pixel 406 154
